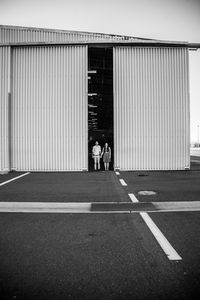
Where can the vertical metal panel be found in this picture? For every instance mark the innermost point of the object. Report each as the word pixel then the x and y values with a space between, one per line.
pixel 50 108
pixel 4 114
pixel 151 108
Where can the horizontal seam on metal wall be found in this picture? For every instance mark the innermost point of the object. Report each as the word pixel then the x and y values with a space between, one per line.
pixel 104 43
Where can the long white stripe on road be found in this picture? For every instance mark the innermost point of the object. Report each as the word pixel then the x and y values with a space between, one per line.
pixel 123 182
pixel 93 207
pixel 45 207
pixel 161 239
pixel 177 206
pixel 133 198
pixel 15 178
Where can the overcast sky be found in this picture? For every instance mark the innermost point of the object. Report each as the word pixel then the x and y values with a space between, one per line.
pixel 176 20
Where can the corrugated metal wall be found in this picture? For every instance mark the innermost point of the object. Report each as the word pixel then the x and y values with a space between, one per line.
pixel 151 108
pixel 4 114
pixel 49 106
pixel 11 34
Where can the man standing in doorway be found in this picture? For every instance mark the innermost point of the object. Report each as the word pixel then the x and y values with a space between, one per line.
pixel 96 152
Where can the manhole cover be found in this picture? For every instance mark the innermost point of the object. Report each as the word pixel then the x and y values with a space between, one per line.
pixel 147 193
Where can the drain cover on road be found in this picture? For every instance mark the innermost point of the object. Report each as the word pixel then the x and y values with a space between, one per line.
pixel 147 193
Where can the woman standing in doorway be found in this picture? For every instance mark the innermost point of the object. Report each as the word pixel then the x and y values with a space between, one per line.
pixel 106 153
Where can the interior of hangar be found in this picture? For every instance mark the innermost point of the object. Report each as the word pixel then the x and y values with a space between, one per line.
pixel 100 101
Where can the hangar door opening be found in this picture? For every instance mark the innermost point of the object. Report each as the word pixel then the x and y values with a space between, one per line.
pixel 100 100
pixel 49 108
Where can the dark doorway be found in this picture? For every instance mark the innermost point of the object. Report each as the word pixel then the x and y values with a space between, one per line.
pixel 100 100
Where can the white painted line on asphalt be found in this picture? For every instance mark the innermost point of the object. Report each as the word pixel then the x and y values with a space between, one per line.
pixel 161 239
pixel 53 207
pixel 133 198
pixel 89 207
pixel 123 182
pixel 45 207
pixel 15 178
pixel 146 193
pixel 177 206
pixel 117 173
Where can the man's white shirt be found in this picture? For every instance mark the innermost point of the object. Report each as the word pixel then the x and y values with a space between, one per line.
pixel 96 150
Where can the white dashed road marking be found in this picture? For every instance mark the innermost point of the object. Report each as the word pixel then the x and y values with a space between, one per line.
pixel 117 173
pixel 133 198
pixel 15 178
pixel 123 182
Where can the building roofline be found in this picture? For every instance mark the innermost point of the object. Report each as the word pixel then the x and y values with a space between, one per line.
pixel 125 39
pixel 101 43
pixel 194 46
pixel 71 31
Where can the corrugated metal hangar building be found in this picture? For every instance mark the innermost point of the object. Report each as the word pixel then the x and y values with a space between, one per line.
pixel 60 91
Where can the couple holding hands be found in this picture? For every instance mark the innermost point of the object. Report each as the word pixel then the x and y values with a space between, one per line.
pixel 97 154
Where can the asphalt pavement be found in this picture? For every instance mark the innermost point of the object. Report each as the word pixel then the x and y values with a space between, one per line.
pixel 63 187
pixel 93 257
pixel 99 255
